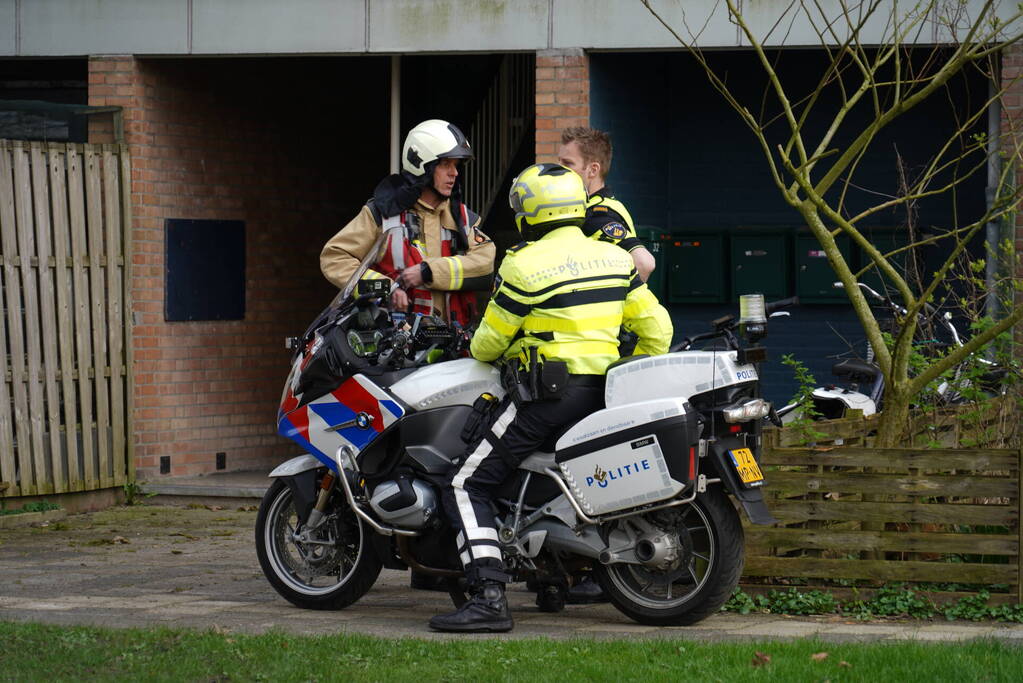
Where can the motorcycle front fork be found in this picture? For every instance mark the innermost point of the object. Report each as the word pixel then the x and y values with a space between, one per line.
pixel 317 513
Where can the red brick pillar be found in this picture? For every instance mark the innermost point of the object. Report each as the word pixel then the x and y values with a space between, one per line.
pixel 115 80
pixel 1012 135
pixel 562 97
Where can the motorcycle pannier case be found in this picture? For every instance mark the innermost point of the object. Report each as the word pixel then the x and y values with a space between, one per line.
pixel 630 455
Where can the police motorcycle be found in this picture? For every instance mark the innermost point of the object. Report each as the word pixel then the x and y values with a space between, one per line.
pixel 639 491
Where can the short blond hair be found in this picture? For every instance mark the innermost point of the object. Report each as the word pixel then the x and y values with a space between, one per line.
pixel 595 145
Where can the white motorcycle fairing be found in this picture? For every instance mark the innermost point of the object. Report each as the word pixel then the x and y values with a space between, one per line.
pixel 452 383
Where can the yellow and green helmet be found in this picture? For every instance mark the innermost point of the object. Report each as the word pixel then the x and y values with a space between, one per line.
pixel 546 196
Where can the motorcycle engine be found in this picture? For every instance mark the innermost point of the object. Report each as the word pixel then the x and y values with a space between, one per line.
pixel 406 503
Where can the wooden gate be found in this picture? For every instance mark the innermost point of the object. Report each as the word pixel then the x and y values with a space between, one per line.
pixel 65 402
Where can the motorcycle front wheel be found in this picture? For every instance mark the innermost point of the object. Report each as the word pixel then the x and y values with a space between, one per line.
pixel 693 560
pixel 327 568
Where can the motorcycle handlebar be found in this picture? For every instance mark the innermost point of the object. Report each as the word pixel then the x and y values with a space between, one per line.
pixel 725 326
pixel 773 306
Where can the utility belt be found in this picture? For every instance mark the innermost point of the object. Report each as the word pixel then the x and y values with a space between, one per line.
pixel 537 380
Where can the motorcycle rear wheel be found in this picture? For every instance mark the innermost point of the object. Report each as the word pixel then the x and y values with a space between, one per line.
pixel 708 538
pixel 332 573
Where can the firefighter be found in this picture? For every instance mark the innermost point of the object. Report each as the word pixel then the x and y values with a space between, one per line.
pixel 558 304
pixel 587 151
pixel 433 248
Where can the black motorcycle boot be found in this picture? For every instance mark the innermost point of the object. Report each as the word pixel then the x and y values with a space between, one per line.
pixel 486 611
pixel 586 591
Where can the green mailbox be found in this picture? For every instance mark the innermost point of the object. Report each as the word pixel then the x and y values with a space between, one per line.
pixel 815 279
pixel 760 263
pixel 886 240
pixel 696 268
pixel 654 239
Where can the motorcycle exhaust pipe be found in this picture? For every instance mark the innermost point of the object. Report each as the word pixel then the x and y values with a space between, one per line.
pixel 405 553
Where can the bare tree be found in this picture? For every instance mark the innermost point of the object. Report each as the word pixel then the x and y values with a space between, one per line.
pixel 921 48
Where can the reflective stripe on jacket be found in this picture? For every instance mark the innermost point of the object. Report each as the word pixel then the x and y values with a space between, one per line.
pixel 569 296
pixel 471 268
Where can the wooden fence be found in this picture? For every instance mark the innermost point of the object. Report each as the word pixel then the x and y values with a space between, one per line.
pixel 65 402
pixel 858 516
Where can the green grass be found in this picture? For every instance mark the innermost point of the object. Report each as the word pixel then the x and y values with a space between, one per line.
pixel 32 652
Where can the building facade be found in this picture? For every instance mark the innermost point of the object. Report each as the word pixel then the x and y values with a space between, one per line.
pixel 285 115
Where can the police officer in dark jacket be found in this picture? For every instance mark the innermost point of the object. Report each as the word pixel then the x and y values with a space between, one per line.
pixel 587 151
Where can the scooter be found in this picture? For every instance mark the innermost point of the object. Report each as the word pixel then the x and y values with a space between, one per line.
pixel 834 401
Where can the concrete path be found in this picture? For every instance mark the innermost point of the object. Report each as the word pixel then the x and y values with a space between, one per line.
pixel 196 567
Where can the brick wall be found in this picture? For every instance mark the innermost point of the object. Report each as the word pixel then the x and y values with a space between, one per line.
pixel 279 144
pixel 562 97
pixel 1012 129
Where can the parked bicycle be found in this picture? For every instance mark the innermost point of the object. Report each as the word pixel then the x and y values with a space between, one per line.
pixel 861 384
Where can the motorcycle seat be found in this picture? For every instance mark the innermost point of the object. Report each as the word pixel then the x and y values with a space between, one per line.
pixel 627 359
pixel 538 462
pixel 855 370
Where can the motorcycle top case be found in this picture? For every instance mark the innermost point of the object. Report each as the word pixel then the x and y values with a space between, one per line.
pixel 630 455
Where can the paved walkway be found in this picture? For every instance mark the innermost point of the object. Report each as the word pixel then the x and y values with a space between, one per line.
pixel 196 567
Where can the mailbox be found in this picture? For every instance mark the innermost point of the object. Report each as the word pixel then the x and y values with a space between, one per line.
pixel 697 268
pixel 814 276
pixel 760 263
pixel 886 240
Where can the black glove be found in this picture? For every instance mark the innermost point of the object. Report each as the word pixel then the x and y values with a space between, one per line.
pixel 398 192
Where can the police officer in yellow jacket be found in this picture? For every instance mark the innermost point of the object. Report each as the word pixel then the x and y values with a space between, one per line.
pixel 560 299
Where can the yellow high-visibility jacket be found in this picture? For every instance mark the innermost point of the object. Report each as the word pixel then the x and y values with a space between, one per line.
pixel 569 296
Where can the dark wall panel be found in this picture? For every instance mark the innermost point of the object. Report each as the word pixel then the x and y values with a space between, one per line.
pixel 685 161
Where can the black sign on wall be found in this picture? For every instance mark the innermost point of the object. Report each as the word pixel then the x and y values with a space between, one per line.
pixel 205 273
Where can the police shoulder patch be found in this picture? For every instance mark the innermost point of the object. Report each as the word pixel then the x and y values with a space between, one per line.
pixel 497 284
pixel 615 231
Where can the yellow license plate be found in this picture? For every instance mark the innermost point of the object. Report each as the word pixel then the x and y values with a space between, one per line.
pixel 746 466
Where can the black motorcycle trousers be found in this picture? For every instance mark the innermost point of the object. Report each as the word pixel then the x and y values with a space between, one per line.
pixel 514 434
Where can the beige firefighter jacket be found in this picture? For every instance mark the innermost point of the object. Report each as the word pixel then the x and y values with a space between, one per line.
pixel 473 270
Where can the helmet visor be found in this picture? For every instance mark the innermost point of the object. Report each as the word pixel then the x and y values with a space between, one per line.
pixel 515 197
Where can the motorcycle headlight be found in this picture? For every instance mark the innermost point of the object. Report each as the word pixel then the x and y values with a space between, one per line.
pixel 754 409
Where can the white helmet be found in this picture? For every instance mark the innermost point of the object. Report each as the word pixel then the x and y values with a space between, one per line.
pixel 432 140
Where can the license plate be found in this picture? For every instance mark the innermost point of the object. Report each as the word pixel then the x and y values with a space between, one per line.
pixel 746 466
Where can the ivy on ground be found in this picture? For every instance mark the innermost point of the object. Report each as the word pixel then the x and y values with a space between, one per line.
pixel 890 601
